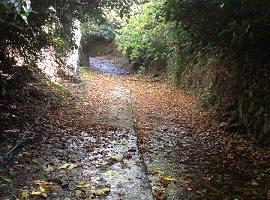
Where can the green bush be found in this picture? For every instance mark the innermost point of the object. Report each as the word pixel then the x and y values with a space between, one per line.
pixel 159 41
pixel 239 25
pixel 93 30
pixel 139 32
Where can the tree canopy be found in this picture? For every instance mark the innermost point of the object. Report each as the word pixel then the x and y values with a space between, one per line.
pixel 242 24
pixel 26 26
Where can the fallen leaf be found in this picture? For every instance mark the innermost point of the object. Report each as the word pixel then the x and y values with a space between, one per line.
pixel 8 180
pixel 25 195
pixel 153 171
pixel 48 168
pixel 169 179
pixel 101 191
pixel 36 193
pixel 158 193
pixel 83 185
pixel 110 173
pixel 80 193
pixel 117 158
pixel 68 166
pixel 43 189
pixel 254 183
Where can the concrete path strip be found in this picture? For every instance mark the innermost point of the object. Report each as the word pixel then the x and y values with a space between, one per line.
pixel 132 181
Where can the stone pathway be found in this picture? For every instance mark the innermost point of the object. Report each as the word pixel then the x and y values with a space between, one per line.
pixel 127 177
pixel 86 148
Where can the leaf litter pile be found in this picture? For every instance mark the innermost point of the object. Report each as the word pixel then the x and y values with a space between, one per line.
pixel 82 149
pixel 187 156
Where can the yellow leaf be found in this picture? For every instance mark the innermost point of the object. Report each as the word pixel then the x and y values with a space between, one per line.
pixel 36 193
pixel 83 185
pixel 41 183
pixel 42 189
pixel 87 185
pixel 25 195
pixel 79 193
pixel 110 173
pixel 82 182
pixel 101 191
pixel 169 178
pixel 48 168
pixel 68 166
pixel 44 194
pixel 117 158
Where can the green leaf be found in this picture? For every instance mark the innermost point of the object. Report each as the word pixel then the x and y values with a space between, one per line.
pixel 8 180
pixel 222 32
pixel 24 17
pixel 233 24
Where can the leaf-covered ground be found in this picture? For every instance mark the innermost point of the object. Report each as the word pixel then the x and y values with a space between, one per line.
pixel 84 146
pixel 187 156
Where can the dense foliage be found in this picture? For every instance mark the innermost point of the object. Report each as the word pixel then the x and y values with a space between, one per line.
pixel 172 29
pixel 28 25
pixel 148 34
pixel 217 49
pixel 93 30
pixel 241 24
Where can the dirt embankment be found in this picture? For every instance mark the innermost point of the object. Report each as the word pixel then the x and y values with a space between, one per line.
pixel 233 88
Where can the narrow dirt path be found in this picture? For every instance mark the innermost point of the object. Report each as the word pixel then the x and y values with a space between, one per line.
pixel 103 102
pixel 186 155
pixel 87 148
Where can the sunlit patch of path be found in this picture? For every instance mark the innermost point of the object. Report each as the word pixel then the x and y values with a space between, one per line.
pixel 101 66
